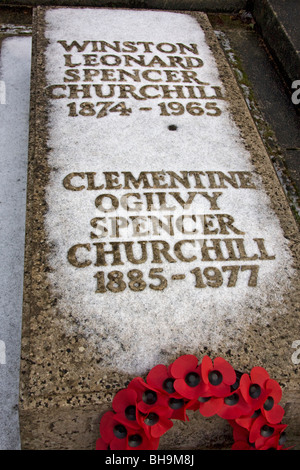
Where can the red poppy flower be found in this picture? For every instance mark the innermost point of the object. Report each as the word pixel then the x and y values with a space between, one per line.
pixel 239 445
pixel 247 421
pixel 124 404
pixel 180 406
pixel 147 396
pixel 193 405
pixel 273 443
pixel 241 437
pixel 120 437
pixel 234 406
pixel 187 373
pixel 161 379
pixel 140 441
pixel 156 421
pixel 239 433
pixel 261 430
pixel 209 406
pixel 101 445
pixel 270 408
pixel 218 376
pixel 113 432
pixel 253 387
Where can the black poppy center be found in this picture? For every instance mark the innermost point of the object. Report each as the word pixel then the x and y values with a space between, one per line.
pixel 168 385
pixel 134 440
pixel 204 399
pixel 256 414
pixel 282 439
pixel 232 399
pixel 254 391
pixel 149 397
pixel 151 419
pixel 176 403
pixel 236 384
pixel 120 431
pixel 269 403
pixel 130 413
pixel 192 379
pixel 215 377
pixel 266 431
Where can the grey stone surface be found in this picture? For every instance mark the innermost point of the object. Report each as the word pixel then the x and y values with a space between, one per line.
pixel 288 13
pixel 201 5
pixel 278 22
pixel 68 377
pixel 14 115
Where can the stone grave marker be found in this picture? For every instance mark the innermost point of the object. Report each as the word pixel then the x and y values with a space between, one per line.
pixel 156 224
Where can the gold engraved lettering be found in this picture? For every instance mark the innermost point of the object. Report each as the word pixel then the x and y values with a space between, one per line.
pixel 178 251
pixel 129 252
pixel 68 183
pixel 159 248
pixel 73 255
pixel 101 254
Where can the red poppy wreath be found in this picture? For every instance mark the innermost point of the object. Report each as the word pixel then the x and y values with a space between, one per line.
pixel 144 411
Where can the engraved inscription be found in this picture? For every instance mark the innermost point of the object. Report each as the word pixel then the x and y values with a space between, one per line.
pixel 122 231
pixel 101 77
pixel 161 232
pixel 158 217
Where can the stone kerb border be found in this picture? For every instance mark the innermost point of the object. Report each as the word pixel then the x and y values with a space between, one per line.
pixel 200 5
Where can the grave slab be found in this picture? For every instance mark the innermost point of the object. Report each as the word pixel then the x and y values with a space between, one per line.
pixel 156 224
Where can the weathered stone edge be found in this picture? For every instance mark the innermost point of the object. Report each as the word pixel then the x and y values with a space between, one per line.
pixel 25 343
pixel 277 39
pixel 191 5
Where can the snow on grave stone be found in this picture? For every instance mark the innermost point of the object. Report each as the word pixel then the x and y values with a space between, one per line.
pixel 158 226
pixel 2 352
